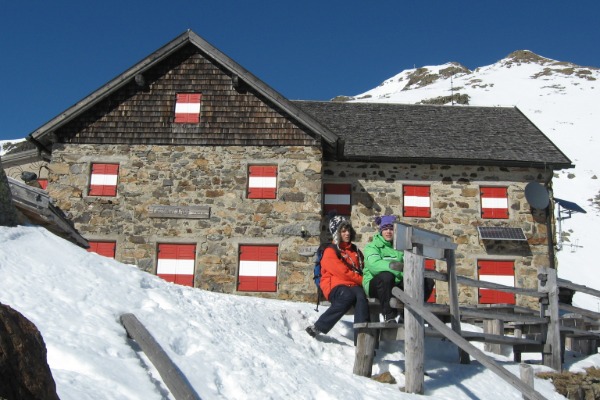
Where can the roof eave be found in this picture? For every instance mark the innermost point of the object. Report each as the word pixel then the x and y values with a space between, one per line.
pixel 42 133
pixel 461 161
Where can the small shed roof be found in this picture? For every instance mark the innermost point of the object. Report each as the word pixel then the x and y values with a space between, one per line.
pixel 437 134
pixel 35 204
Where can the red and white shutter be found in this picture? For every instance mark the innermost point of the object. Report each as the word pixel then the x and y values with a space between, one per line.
pixel 106 249
pixel 103 181
pixel 417 201
pixel 336 198
pixel 262 182
pixel 187 108
pixel 176 263
pixel 494 202
pixel 430 265
pixel 258 269
pixel 501 272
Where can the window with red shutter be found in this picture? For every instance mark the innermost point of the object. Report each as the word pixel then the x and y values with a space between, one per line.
pixel 103 179
pixel 262 182
pixel 258 268
pixel 494 202
pixel 187 108
pixel 337 198
pixel 106 249
pixel 417 202
pixel 176 263
pixel 496 271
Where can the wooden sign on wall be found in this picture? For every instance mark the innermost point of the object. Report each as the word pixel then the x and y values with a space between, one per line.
pixel 192 212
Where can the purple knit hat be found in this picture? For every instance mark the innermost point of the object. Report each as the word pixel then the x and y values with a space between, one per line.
pixel 384 221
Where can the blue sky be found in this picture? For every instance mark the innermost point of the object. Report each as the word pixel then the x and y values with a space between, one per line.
pixel 54 53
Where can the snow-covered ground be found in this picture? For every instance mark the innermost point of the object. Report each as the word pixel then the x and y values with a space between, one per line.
pixel 228 346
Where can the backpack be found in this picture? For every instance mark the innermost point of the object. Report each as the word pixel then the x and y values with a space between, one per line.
pixel 317 273
pixel 317 267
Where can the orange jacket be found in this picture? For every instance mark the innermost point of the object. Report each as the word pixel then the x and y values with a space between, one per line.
pixel 336 272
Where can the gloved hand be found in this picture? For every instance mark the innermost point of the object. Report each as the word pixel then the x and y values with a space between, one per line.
pixel 397 266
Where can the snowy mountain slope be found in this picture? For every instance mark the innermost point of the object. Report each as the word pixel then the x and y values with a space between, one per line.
pixel 560 98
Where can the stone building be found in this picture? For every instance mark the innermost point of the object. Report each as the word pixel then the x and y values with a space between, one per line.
pixel 190 167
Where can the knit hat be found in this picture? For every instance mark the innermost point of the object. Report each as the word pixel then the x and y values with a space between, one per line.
pixel 384 221
pixel 335 226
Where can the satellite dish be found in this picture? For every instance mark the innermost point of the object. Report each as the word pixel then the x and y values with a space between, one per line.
pixel 537 195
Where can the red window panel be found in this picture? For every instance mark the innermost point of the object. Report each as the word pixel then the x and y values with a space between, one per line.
pixel 417 201
pixel 262 182
pixel 176 263
pixel 103 180
pixel 106 249
pixel 258 268
pixel 501 272
pixel 337 198
pixel 494 202
pixel 430 265
pixel 187 108
pixel 43 183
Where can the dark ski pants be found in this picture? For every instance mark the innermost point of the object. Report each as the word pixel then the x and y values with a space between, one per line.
pixel 381 287
pixel 342 298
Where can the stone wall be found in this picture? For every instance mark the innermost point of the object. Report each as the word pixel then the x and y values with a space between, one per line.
pixel 455 211
pixel 217 177
pixel 197 176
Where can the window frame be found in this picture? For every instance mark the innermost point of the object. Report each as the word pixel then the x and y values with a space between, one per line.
pixel 416 193
pixel 179 260
pixel 100 175
pixel 494 196
pixel 337 197
pixel 262 181
pixel 106 248
pixel 190 108
pixel 499 270
pixel 258 266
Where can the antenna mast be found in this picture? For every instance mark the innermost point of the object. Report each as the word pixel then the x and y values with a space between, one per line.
pixel 451 90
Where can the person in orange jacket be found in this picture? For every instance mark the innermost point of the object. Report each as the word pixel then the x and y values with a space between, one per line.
pixel 341 278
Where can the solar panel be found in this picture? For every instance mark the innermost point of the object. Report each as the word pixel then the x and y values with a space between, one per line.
pixel 499 233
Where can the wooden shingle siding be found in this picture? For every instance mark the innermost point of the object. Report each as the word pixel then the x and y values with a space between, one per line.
pixel 144 115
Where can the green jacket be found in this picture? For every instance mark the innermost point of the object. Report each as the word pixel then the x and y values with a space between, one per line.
pixel 379 253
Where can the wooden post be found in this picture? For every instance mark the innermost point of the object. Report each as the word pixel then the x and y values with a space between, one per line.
pixel 479 355
pixel 495 327
pixel 414 347
pixel 463 356
pixel 171 375
pixel 526 376
pixel 552 354
pixel 364 352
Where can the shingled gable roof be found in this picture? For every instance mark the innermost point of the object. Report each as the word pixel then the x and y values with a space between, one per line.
pixel 42 136
pixel 437 134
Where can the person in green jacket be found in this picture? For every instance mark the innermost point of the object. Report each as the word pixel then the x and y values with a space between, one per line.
pixel 384 266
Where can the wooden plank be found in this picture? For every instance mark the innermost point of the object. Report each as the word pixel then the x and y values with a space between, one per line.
pixel 169 372
pixel 414 349
pixel 587 313
pixel 579 288
pixel 508 377
pixel 496 286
